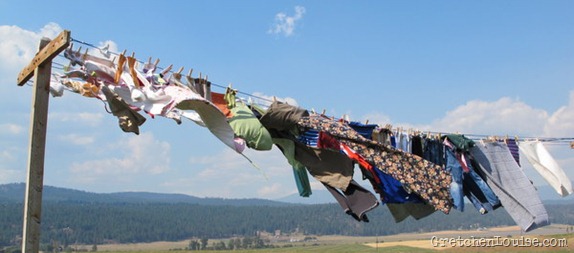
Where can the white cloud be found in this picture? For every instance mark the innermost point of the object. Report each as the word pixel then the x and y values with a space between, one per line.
pixel 286 24
pixel 230 172
pixel 134 156
pixel 260 98
pixel 84 118
pixel 561 122
pixel 504 116
pixel 77 139
pixel 11 129
pixel 18 46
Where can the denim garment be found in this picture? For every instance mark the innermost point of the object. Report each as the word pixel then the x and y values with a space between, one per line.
pixel 433 151
pixel 468 184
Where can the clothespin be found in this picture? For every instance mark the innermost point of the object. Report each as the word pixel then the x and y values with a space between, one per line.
pixel 166 70
pixel 323 113
pixel 366 122
pixel 274 99
pixel 124 52
pixel 133 54
pixel 190 72
pixel 313 110
pixel 177 75
pixel 85 55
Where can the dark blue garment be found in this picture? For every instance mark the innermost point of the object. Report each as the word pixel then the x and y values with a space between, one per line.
pixel 393 190
pixel 433 151
pixel 366 130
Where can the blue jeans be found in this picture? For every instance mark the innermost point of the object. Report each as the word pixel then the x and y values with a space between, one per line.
pixel 468 184
pixel 433 151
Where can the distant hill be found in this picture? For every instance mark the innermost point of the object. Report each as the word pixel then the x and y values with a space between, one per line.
pixel 317 197
pixel 14 193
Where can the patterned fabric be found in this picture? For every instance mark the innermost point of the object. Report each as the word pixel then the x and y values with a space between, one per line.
pixel 417 175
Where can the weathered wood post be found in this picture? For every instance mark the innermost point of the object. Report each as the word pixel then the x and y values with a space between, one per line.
pixel 40 67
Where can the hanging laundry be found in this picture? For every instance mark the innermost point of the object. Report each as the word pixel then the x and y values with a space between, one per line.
pixel 356 201
pixel 404 210
pixel 546 166
pixel 214 120
pixel 433 151
pixel 287 147
pixel 129 120
pixel 417 145
pixel 426 179
pixel 514 149
pixel 248 127
pixel 515 191
pixel 465 181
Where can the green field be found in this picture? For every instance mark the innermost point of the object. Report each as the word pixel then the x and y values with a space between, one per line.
pixel 341 248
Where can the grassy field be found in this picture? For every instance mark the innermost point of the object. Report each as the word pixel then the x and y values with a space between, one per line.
pixel 416 242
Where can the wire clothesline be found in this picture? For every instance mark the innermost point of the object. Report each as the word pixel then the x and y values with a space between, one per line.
pixel 550 140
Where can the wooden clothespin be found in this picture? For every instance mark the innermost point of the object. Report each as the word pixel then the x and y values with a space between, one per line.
pixel 366 122
pixel 179 71
pixel 85 55
pixel 133 54
pixel 166 70
pixel 323 113
pixel 189 73
pixel 124 52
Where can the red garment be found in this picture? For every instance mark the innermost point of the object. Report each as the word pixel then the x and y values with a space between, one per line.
pixel 327 141
pixel 362 162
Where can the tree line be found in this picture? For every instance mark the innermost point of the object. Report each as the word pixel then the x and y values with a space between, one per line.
pixel 101 223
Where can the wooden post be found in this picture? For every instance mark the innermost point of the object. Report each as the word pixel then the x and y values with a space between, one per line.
pixel 41 66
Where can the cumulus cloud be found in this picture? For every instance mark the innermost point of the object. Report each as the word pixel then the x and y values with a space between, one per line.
pixel 18 46
pixel 11 129
pixel 561 122
pixel 77 139
pixel 504 116
pixel 260 98
pixel 231 171
pixel 84 118
pixel 133 156
pixel 285 24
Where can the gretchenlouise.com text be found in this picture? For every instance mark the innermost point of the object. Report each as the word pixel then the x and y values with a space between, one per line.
pixel 498 241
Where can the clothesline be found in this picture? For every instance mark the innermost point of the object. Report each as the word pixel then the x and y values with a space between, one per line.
pixel 414 172
pixel 549 140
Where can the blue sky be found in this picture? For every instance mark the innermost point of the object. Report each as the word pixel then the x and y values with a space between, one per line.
pixel 482 67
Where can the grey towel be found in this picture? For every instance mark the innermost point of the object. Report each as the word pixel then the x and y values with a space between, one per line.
pixel 515 191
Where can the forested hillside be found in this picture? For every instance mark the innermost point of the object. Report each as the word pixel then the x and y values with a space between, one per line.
pixel 98 223
pixel 97 219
